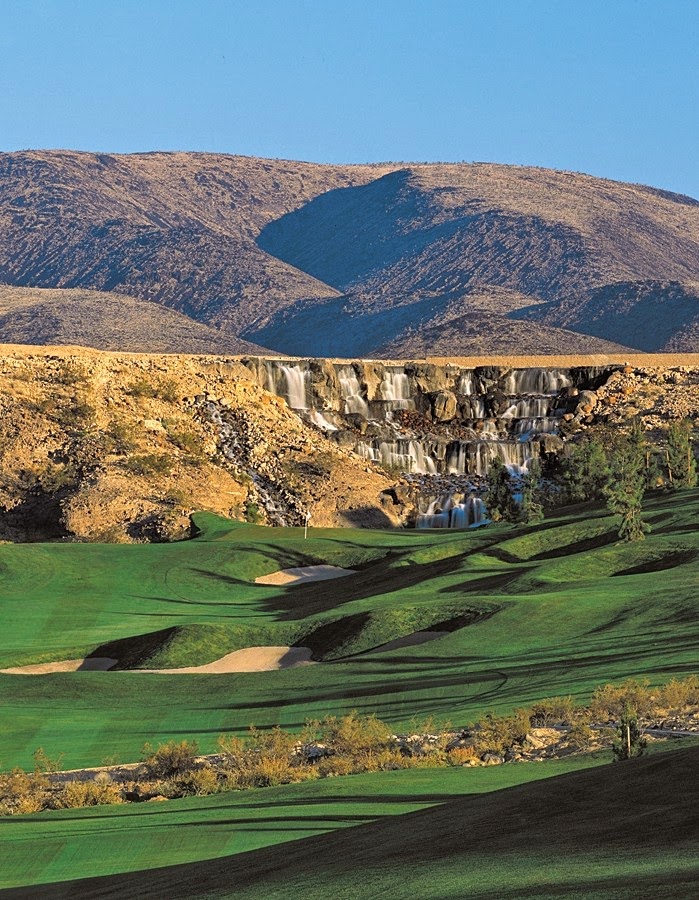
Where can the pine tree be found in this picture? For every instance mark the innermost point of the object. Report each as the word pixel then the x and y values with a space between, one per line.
pixel 585 470
pixel 681 463
pixel 499 500
pixel 629 742
pixel 532 509
pixel 626 486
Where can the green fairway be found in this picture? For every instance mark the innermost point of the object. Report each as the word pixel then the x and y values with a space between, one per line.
pixel 610 831
pixel 555 608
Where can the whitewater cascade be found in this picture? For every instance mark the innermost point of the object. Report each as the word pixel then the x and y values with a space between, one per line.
pixel 441 427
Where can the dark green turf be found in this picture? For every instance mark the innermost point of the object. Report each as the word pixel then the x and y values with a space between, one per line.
pixel 624 830
pixel 566 608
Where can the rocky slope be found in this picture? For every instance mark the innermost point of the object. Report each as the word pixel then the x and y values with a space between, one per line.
pixel 357 260
pixel 102 446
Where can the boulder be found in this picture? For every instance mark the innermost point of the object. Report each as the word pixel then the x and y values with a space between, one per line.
pixel 444 406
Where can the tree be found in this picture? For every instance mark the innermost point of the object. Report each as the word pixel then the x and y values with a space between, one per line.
pixel 532 509
pixel 681 464
pixel 629 742
pixel 585 470
pixel 626 486
pixel 499 500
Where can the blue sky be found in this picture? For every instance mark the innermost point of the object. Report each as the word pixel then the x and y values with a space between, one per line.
pixel 610 88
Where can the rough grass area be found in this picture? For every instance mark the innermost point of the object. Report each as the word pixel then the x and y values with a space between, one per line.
pixel 564 624
pixel 622 830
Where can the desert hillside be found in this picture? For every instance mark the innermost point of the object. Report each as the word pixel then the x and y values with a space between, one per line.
pixel 119 447
pixel 375 260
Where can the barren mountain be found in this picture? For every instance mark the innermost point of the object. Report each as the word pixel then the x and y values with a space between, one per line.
pixel 107 322
pixel 357 260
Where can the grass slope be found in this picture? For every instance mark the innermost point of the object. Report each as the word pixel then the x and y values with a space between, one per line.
pixel 626 830
pixel 567 608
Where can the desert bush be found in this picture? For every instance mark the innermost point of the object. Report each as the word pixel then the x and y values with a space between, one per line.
pixel 76 794
pixel 45 763
pixel 141 388
pixel 23 792
pixel 552 711
pixel 187 441
pixel 121 437
pixel 581 736
pixel 457 756
pixel 610 700
pixel 330 766
pixel 353 734
pixel 171 759
pixel 494 734
pixel 167 390
pixel 148 464
pixel 679 694
pixel 198 782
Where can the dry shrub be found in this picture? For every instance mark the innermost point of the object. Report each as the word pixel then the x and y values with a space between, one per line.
pixel 581 736
pixel 610 700
pixel 336 765
pixel 354 734
pixel 493 734
pixel 552 711
pixel 171 759
pixel 198 783
pixel 458 756
pixel 75 794
pixel 23 792
pixel 680 694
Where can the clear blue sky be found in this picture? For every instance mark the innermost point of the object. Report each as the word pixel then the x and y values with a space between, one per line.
pixel 610 88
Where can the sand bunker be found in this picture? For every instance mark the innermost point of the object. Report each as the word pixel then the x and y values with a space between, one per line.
pixel 303 574
pixel 410 640
pixel 90 664
pixel 251 659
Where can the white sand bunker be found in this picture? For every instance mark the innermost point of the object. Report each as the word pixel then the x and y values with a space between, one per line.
pixel 251 659
pixel 303 574
pixel 90 664
pixel 410 640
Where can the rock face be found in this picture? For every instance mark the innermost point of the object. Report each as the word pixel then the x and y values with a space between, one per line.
pixel 115 447
pixel 102 446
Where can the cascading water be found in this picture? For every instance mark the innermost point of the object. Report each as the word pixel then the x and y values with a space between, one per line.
pixel 536 381
pixel 440 426
pixel 448 513
pixel 402 455
pixel 351 392
pixel 296 386
pixel 466 385
pixel 395 388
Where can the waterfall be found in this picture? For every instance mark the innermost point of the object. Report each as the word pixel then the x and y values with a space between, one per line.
pixel 395 388
pixel 320 421
pixel 474 458
pixel 545 425
pixel 404 455
pixel 445 512
pixel 528 408
pixel 351 392
pixel 536 381
pixel 296 383
pixel 466 384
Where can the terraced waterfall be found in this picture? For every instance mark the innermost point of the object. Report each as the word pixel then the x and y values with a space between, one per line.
pixel 440 427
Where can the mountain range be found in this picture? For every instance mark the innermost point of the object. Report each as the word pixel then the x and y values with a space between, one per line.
pixel 197 252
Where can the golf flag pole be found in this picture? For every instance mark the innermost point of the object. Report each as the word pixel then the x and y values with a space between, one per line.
pixel 305 530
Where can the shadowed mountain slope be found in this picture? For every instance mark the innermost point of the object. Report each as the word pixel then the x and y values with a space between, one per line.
pixel 295 256
pixel 651 315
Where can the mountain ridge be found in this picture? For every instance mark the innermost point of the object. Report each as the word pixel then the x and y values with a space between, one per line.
pixel 256 248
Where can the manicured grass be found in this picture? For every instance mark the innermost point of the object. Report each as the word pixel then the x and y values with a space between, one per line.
pixel 623 830
pixel 567 608
pixel 68 844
